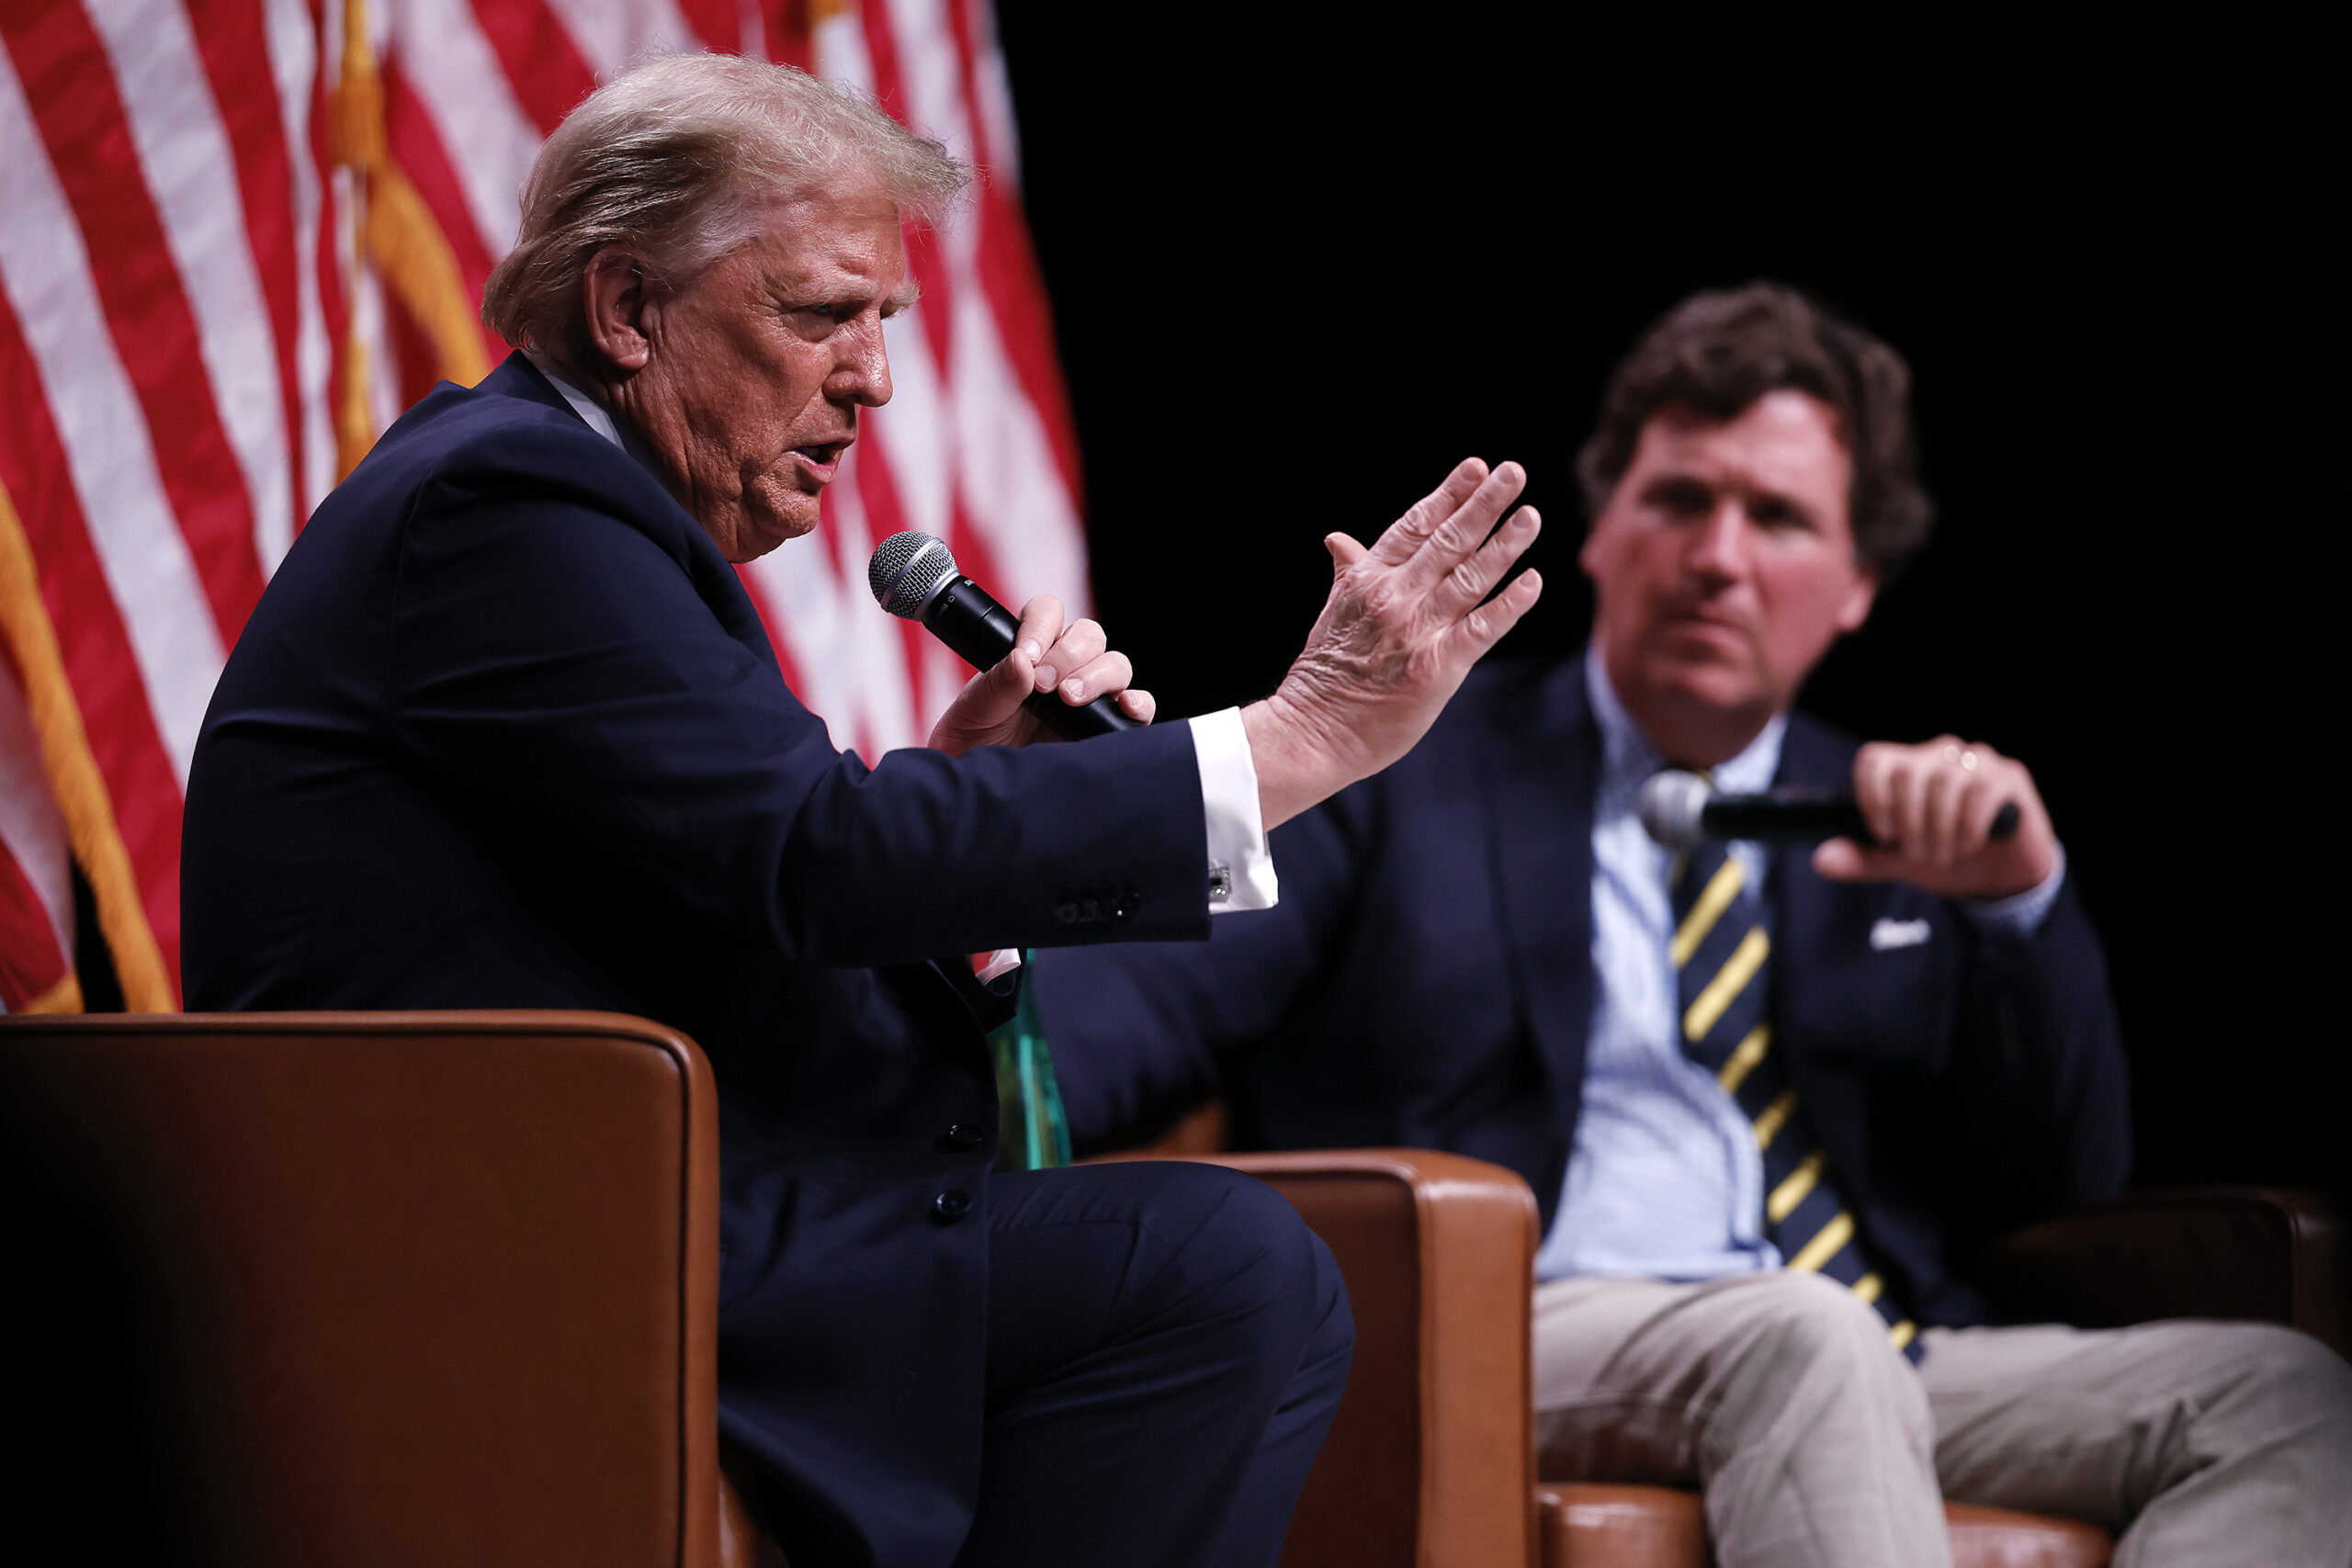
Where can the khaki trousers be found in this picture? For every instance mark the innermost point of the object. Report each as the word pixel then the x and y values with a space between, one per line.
pixel 1815 1444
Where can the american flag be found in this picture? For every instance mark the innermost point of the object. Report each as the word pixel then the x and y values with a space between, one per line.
pixel 237 237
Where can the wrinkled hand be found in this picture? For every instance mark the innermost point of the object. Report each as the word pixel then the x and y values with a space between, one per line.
pixel 1931 807
pixel 1402 627
pixel 1073 661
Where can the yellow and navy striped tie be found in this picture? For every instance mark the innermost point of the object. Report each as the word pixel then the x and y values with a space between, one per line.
pixel 1723 950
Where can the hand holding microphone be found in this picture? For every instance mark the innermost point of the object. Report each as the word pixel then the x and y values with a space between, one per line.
pixel 1932 809
pixel 1952 819
pixel 1033 671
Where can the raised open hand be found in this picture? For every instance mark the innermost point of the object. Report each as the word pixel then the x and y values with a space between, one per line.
pixel 1404 623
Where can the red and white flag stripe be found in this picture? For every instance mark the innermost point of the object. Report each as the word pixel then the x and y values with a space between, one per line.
pixel 237 237
pixel 36 887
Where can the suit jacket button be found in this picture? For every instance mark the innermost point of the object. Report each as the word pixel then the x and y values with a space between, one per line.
pixel 1066 914
pixel 963 1135
pixel 952 1205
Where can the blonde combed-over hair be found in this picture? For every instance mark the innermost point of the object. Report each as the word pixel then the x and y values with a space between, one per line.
pixel 680 161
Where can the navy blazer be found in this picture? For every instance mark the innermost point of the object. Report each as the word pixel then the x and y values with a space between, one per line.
pixel 1427 980
pixel 504 731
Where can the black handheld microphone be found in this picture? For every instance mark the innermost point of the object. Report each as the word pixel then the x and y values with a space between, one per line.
pixel 1680 808
pixel 914 577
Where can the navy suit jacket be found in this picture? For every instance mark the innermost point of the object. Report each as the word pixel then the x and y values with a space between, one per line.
pixel 504 731
pixel 1427 980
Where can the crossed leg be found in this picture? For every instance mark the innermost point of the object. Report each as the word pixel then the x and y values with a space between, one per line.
pixel 1166 1346
pixel 2198 1442
pixel 1777 1394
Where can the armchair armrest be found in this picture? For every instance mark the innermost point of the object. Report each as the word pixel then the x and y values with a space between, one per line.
pixel 364 1290
pixel 2264 1253
pixel 1430 1462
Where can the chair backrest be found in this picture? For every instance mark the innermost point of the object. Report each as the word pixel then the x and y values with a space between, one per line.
pixel 359 1289
pixel 2260 1254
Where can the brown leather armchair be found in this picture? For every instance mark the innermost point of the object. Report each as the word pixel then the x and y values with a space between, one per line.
pixel 368 1290
pixel 2264 1254
pixel 2202 1251
pixel 1430 1462
pixel 364 1291
pixel 1437 1372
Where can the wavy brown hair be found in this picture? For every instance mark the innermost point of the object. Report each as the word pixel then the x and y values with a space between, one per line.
pixel 1718 352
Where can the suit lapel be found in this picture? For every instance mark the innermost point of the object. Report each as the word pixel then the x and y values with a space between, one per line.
pixel 1541 775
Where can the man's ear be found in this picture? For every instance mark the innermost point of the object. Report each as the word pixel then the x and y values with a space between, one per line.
pixel 613 288
pixel 1589 553
pixel 1855 607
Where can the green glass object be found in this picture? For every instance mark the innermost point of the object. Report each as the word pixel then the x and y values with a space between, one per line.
pixel 1032 1134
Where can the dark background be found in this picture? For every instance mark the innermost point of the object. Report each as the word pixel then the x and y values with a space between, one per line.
pixel 1301 266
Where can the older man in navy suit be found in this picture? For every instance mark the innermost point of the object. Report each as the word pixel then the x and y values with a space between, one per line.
pixel 1764 1097
pixel 504 731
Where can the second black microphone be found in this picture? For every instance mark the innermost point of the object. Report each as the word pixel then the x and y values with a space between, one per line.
pixel 1678 808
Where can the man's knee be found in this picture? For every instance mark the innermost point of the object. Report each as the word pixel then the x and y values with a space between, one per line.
pixel 1331 1342
pixel 1808 1320
pixel 2294 1387
pixel 1235 1251
pixel 1811 1343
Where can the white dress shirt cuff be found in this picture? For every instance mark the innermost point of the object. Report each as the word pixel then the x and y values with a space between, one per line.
pixel 2020 914
pixel 1241 869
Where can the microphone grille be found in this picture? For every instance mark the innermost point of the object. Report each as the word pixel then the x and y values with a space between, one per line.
pixel 1670 805
pixel 907 571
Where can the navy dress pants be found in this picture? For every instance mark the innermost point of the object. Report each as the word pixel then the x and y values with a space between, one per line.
pixel 1167 1345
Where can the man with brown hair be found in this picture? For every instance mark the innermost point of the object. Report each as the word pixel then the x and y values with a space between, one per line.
pixel 1767 1099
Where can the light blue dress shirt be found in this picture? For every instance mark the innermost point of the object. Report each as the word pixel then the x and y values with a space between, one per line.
pixel 1665 1179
